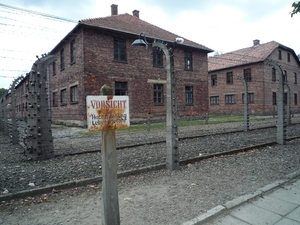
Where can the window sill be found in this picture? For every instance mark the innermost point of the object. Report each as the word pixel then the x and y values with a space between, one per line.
pixel 63 104
pixel 119 61
pixel 73 103
pixel 72 63
pixel 156 104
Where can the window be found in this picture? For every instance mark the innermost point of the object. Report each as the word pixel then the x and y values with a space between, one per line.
pixel 295 99
pixel 274 99
pixel 157 57
pixel 188 61
pixel 288 57
pixel 120 88
pixel 74 94
pixel 229 99
pixel 72 52
pixel 285 98
pixel 119 50
pixel 62 59
pixel 247 74
pixel 273 74
pixel 285 76
pixel 214 100
pixel 214 80
pixel 279 54
pixel 158 94
pixel 250 98
pixel 54 68
pixel 55 99
pixel 295 78
pixel 63 95
pixel 229 78
pixel 189 98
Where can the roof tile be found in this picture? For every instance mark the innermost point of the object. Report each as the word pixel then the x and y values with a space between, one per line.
pixel 132 24
pixel 243 56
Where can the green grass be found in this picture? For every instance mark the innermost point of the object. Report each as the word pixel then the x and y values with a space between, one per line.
pixel 157 126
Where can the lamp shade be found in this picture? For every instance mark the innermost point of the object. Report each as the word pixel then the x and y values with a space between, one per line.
pixel 139 42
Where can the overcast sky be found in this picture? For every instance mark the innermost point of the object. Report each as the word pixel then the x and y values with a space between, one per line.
pixel 222 25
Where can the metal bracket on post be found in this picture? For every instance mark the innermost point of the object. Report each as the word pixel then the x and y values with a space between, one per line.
pixel 246 110
pixel 172 158
pixel 281 125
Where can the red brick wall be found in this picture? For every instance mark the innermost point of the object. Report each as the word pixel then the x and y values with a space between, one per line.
pixel 261 85
pixel 95 67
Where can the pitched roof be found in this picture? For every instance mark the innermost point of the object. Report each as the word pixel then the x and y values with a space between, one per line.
pixel 243 56
pixel 134 25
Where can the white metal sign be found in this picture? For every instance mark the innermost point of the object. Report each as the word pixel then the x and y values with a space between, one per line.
pixel 107 112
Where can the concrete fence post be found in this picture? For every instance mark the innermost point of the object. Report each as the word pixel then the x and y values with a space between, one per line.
pixel 246 110
pixel 281 125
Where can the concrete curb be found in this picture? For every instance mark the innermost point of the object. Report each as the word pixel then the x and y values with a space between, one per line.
pixel 222 209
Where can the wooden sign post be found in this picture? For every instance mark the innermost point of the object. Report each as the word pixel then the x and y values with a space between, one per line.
pixel 107 113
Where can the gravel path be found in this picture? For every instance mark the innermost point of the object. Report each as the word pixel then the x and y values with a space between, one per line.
pixel 158 197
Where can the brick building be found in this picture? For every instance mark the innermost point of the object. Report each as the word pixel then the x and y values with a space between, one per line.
pixel 226 90
pixel 98 51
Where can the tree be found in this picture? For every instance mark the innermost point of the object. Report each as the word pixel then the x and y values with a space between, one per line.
pixel 296 8
pixel 2 91
pixel 299 56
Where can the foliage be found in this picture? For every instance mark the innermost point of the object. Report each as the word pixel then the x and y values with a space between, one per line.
pixel 296 8
pixel 2 91
pixel 299 56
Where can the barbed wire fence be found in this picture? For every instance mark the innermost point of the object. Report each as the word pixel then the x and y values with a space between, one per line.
pixel 30 124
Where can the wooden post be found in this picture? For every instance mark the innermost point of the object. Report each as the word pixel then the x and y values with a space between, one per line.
pixel 110 201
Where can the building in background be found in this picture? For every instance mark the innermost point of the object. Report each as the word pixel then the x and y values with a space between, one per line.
pixel 98 51
pixel 226 91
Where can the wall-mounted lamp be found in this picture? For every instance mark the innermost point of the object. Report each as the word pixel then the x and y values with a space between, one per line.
pixel 140 41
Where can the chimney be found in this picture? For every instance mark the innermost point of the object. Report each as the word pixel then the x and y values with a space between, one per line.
pixel 114 10
pixel 256 42
pixel 136 13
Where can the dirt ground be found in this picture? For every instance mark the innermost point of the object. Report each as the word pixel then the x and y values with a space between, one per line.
pixel 161 197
